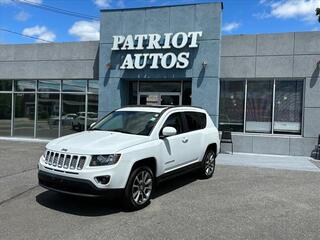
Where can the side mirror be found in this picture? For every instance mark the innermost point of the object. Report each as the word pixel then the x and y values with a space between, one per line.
pixel 92 125
pixel 169 131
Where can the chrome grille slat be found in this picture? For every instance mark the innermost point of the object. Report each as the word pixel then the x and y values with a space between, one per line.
pixel 51 158
pixel 74 162
pixel 65 161
pixel 60 161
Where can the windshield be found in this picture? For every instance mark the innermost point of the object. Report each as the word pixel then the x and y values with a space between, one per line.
pixel 132 122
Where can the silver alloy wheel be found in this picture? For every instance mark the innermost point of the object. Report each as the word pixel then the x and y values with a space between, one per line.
pixel 142 187
pixel 210 164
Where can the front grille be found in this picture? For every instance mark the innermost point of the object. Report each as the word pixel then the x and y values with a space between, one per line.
pixel 66 161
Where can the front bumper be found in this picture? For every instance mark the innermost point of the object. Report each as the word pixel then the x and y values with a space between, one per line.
pixel 74 186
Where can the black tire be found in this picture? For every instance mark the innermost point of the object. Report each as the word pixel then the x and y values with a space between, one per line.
pixel 131 199
pixel 208 164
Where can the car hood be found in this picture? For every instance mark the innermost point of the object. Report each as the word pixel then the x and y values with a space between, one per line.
pixel 96 142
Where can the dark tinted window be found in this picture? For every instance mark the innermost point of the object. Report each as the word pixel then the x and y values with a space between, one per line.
pixel 174 120
pixel 195 120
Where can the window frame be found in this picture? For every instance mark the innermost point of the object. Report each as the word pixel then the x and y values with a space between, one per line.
pixel 13 91
pixel 274 80
pixel 183 125
pixel 187 127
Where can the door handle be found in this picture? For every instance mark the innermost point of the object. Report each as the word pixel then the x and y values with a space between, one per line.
pixel 185 140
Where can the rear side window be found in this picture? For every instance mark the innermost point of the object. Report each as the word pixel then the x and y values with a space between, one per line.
pixel 195 120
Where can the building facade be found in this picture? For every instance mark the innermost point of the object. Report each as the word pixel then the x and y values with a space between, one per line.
pixel 264 88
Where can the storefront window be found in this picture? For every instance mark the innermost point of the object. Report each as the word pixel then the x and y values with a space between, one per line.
pixel 155 86
pixel 24 114
pixel 288 106
pixel 133 93
pixel 74 85
pixel 93 86
pixel 186 93
pixel 73 113
pixel 5 85
pixel 5 114
pixel 48 115
pixel 232 95
pixel 25 85
pixel 92 109
pixel 259 106
pixel 49 86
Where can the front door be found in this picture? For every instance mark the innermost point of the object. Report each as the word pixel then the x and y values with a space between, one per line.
pixel 159 98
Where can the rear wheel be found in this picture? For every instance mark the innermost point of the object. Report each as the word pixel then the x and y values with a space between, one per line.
pixel 139 188
pixel 208 164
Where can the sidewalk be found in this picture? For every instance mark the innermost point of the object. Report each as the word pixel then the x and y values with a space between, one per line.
pixel 269 161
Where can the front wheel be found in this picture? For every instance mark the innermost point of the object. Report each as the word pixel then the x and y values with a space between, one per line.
pixel 139 188
pixel 208 164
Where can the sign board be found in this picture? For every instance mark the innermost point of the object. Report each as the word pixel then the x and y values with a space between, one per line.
pixel 150 43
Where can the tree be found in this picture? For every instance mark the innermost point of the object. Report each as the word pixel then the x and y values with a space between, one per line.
pixel 318 14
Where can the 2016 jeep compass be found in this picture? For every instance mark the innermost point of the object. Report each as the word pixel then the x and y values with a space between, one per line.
pixel 129 150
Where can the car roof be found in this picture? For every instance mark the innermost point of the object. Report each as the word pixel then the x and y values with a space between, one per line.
pixel 157 108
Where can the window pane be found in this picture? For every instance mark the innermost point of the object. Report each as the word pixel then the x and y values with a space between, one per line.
pixel 5 85
pixel 49 86
pixel 288 106
pixel 259 106
pixel 186 93
pixel 74 85
pixel 24 114
pixel 195 120
pixel 133 93
pixel 48 115
pixel 5 114
pixel 93 86
pixel 25 85
pixel 174 120
pixel 160 86
pixel 232 105
pixel 92 109
pixel 73 115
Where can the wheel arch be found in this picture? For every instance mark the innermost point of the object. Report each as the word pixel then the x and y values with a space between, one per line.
pixel 150 162
pixel 212 146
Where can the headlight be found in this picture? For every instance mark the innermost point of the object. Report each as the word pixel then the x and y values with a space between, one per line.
pixel 104 160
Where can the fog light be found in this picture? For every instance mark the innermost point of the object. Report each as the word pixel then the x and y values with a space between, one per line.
pixel 103 179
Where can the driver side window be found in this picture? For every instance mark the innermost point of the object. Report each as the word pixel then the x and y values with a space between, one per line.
pixel 174 120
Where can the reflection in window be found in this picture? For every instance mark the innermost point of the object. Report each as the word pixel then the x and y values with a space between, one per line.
pixel 24 114
pixel 186 93
pixel 259 106
pixel 133 93
pixel 93 86
pixel 48 115
pixel 5 85
pixel 5 114
pixel 92 109
pixel 160 86
pixel 73 113
pixel 25 85
pixel 232 94
pixel 74 85
pixel 49 86
pixel 288 106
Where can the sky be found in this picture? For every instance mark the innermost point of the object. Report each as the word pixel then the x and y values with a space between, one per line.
pixel 238 17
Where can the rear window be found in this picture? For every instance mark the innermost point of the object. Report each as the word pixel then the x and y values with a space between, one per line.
pixel 195 120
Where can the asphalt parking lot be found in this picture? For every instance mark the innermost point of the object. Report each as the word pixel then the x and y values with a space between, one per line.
pixel 239 202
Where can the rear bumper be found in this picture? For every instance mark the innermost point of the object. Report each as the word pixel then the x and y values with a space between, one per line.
pixel 74 186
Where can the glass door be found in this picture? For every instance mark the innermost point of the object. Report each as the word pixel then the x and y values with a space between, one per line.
pixel 159 98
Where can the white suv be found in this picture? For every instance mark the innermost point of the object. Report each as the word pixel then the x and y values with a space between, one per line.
pixel 130 150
